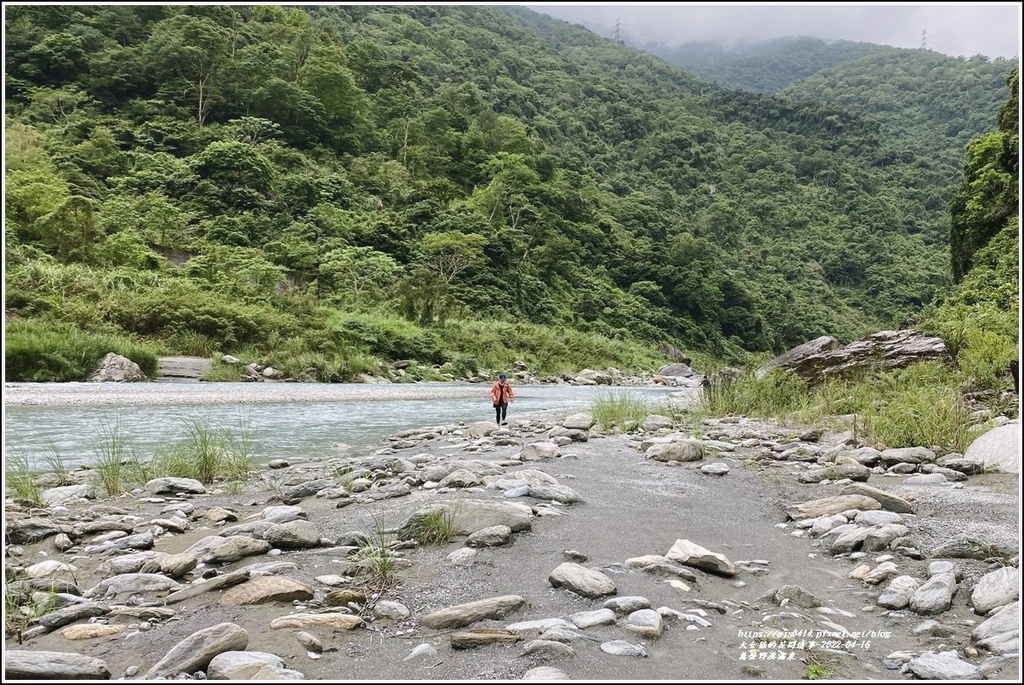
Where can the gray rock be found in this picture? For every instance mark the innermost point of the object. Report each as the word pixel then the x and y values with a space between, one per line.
pixel 460 478
pixel 25 664
pixel 33 530
pixel 471 612
pixel 309 642
pixel 832 505
pixel 944 666
pixel 232 665
pixel 967 547
pixel 131 583
pixel 883 571
pixel 692 554
pixel 1000 633
pixel 888 501
pixel 589 619
pixel 492 536
pixel 545 673
pixel 581 421
pixel 937 567
pixel 998 448
pixel 681 450
pixel 66 493
pixel 581 580
pixel 547 649
pixel 233 548
pixel 716 469
pixel 70 614
pixel 645 622
pixel 556 493
pixel 908 455
pixel 283 513
pixel 537 451
pixel 879 537
pixel 898 593
pixel 655 422
pixel 926 479
pixel 935 596
pixel 627 604
pixel 114 368
pixel 293 535
pixel 877 517
pixel 468 516
pixel 170 485
pixel 849 540
pixel 623 648
pixel 390 610
pixel 195 652
pixel 263 589
pixel 996 589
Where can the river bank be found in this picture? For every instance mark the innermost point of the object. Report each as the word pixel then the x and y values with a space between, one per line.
pixel 584 580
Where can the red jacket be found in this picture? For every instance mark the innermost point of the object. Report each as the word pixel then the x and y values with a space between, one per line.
pixel 502 393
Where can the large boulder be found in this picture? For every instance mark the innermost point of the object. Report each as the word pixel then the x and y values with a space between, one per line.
pixel 117 369
pixel 998 448
pixel 796 356
pixel 886 349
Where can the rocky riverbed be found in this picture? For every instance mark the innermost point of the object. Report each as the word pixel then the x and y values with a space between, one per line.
pixel 725 549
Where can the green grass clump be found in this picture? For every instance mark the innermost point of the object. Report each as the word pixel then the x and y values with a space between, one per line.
pixel 623 410
pixel 19 479
pixel 116 464
pixel 435 527
pixel 208 453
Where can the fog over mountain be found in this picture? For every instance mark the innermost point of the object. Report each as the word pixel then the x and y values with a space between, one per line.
pixel 957 29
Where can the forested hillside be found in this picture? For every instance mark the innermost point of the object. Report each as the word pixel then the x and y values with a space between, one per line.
pixel 325 187
pixel 763 67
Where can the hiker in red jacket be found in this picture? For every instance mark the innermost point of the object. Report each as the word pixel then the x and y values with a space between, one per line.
pixel 501 397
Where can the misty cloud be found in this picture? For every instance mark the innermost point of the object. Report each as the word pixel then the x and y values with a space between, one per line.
pixel 991 29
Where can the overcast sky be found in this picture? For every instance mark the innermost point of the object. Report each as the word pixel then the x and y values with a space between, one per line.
pixel 991 29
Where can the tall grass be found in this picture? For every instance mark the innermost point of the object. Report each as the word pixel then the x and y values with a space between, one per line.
pixel 208 453
pixel 920 405
pixel 43 351
pixel 19 478
pixel 619 409
pixel 116 463
pixel 777 394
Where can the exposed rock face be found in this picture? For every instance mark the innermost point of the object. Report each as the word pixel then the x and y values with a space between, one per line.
pixel 117 369
pixel 796 356
pixel 890 349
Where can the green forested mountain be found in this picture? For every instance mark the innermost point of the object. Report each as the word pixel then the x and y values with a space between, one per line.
pixel 322 175
pixel 763 67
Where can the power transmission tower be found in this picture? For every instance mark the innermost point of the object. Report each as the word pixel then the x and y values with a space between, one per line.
pixel 924 39
pixel 618 31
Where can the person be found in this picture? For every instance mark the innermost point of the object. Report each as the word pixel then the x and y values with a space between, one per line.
pixel 501 396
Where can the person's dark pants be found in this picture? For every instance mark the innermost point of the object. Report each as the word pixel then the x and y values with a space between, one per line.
pixel 500 410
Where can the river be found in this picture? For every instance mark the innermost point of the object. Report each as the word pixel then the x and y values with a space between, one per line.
pixel 76 422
